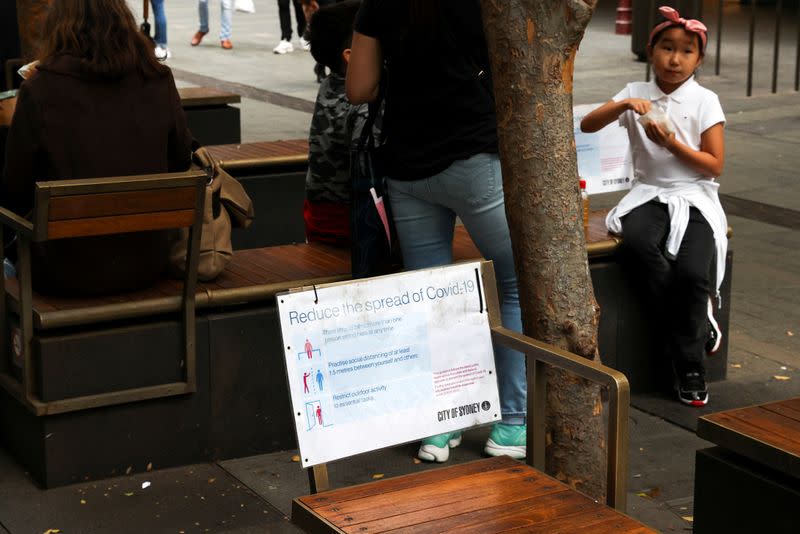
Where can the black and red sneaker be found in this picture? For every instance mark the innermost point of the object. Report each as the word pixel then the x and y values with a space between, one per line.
pixel 714 333
pixel 692 389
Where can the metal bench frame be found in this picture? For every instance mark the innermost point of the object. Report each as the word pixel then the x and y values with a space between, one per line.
pixel 37 231
pixel 539 356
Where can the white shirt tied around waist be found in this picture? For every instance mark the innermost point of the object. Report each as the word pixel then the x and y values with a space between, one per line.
pixel 679 197
pixel 661 176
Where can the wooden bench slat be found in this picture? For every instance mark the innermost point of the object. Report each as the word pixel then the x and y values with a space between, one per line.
pixel 259 270
pixel 247 271
pixel 435 494
pixel 607 526
pixel 406 481
pixel 118 225
pixel 485 496
pixel 771 422
pixel 793 404
pixel 786 411
pixel 513 500
pixel 756 427
pixel 128 202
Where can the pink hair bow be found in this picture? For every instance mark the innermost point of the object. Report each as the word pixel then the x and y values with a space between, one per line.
pixel 674 19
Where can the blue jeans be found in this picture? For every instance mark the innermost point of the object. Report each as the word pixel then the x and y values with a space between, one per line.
pixel 161 22
pixel 425 212
pixel 226 15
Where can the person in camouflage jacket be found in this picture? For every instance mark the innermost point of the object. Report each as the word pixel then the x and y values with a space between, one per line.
pixel 335 126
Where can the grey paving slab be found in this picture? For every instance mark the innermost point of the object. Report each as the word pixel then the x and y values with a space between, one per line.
pixel 199 498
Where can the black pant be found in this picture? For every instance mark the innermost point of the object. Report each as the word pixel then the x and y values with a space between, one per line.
pixel 286 18
pixel 677 290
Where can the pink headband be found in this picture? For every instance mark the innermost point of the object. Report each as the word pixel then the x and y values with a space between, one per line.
pixel 674 19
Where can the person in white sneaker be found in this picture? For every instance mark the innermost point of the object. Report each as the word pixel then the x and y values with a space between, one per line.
pixel 162 52
pixel 285 45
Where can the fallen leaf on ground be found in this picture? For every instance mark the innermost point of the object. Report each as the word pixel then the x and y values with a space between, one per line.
pixel 637 476
pixel 212 480
pixel 295 458
pixel 149 467
pixel 145 485
pixel 128 470
pixel 83 501
pixel 52 531
pixel 129 494
pixel 417 461
pixel 736 365
pixel 780 377
pixel 789 333
pixel 689 518
pixel 651 493
pixel 376 476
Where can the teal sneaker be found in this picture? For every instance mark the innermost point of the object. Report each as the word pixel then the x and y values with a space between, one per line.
pixel 508 440
pixel 437 448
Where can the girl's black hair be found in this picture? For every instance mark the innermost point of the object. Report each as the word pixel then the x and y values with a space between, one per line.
pixel 331 32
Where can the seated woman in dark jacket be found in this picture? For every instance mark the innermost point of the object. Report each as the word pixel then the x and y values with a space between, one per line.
pixel 99 105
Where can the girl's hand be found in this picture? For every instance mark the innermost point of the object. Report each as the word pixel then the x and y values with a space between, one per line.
pixel 658 135
pixel 639 105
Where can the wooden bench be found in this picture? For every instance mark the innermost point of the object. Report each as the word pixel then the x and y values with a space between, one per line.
pixel 98 207
pixel 210 115
pixel 749 482
pixel 485 496
pixel 493 495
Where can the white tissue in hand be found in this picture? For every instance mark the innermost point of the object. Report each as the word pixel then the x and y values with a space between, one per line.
pixel 28 69
pixel 658 116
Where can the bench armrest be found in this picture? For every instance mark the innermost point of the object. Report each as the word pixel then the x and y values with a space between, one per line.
pixel 15 222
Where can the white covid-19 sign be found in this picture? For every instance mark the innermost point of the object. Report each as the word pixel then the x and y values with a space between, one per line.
pixel 382 361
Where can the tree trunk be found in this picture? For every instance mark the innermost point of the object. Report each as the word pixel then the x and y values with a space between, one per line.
pixel 30 18
pixel 532 45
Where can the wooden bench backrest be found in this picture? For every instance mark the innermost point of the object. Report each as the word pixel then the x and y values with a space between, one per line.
pixel 95 207
pixel 105 206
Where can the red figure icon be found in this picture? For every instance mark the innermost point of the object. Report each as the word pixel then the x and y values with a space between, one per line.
pixel 319 415
pixel 309 349
pixel 305 381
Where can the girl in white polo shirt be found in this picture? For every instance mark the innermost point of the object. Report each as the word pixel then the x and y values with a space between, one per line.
pixel 671 219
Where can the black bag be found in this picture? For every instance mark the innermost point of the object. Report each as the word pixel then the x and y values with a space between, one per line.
pixel 372 252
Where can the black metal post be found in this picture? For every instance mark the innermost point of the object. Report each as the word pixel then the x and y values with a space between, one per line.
pixel 651 22
pixel 776 51
pixel 797 54
pixel 717 59
pixel 750 48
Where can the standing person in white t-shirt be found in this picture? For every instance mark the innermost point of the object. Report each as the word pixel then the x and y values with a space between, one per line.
pixel 672 221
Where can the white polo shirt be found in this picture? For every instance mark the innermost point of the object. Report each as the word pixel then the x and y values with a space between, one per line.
pixel 692 108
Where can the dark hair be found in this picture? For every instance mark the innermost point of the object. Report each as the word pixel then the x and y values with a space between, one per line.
pixel 658 35
pixel 102 34
pixel 331 32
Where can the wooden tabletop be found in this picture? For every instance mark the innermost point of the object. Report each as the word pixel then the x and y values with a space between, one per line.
pixel 192 97
pixel 767 433
pixel 261 154
pixel 482 497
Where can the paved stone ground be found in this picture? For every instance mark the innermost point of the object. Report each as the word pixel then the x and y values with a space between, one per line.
pixel 761 194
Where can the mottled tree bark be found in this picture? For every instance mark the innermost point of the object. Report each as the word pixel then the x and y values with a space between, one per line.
pixel 30 18
pixel 532 45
